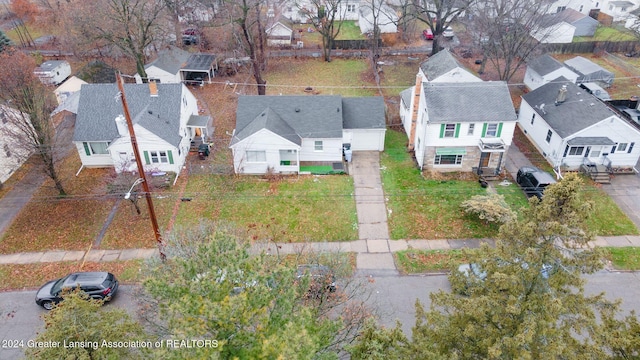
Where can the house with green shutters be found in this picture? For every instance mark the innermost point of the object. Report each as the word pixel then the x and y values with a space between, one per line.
pixel 456 122
pixel 165 121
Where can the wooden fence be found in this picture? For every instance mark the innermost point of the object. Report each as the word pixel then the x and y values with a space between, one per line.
pixel 592 47
pixel 355 44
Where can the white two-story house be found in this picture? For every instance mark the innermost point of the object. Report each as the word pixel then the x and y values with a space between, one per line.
pixel 457 126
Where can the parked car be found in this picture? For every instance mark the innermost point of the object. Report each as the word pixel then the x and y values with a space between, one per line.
pixel 427 34
pixel 98 285
pixel 190 36
pixel 533 181
pixel 321 280
pixel 448 32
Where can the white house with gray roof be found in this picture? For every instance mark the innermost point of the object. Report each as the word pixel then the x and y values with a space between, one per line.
pixel 571 127
pixel 293 134
pixel 544 69
pixel 454 120
pixel 174 65
pixel 165 120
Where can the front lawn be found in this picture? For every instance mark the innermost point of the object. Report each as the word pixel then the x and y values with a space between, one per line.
pixel 426 208
pixel 624 258
pixel 424 261
pixel 288 209
pixel 349 30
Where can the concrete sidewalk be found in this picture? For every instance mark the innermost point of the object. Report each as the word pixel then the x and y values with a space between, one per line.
pixel 357 246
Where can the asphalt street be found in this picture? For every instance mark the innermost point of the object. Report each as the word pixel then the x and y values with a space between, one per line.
pixel 393 297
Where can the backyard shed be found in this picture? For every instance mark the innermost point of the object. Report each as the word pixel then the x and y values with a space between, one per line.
pixel 588 71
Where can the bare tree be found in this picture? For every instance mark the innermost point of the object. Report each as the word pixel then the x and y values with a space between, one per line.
pixel 30 124
pixel 503 31
pixel 129 25
pixel 326 17
pixel 439 14
pixel 406 15
pixel 247 15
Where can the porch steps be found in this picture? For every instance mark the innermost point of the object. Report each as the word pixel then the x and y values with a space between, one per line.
pixel 597 173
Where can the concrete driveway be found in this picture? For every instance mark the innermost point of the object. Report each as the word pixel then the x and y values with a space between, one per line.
pixel 625 191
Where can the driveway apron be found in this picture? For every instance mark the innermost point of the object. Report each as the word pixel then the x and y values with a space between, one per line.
pixel 371 210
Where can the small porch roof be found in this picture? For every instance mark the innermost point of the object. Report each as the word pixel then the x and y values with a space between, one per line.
pixel 198 121
pixel 596 140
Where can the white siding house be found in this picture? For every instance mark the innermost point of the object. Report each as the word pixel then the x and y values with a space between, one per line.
pixel 444 67
pixel 292 134
pixel 166 67
pixel 67 88
pixel 571 127
pixel 165 121
pixel 545 69
pixel 12 155
pixel 279 34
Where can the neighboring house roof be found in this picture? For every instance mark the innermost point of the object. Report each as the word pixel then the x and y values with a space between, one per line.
pixel 579 111
pixel 50 65
pixel 69 104
pixel 468 102
pixel 589 70
pixel 569 16
pixel 621 3
pixel 440 64
pixel 170 59
pixel 544 64
pixel 99 106
pixel 292 117
pixel 199 62
pixel 405 96
pixel 363 113
pixel 280 23
pixel 72 84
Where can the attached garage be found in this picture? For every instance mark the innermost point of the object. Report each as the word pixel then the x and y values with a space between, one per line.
pixel 364 123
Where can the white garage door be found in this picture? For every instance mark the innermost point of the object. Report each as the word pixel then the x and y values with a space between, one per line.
pixel 367 140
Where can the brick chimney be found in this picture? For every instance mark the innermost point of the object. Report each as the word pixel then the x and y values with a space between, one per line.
pixel 153 89
pixel 414 114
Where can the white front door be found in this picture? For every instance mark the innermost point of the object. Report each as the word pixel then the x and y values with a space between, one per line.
pixel 595 155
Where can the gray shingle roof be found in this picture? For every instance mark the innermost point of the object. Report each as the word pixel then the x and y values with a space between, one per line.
pixel 579 111
pixel 199 62
pixel 50 65
pixel 298 117
pixel 544 64
pixel 363 113
pixel 584 66
pixel 590 140
pixel 170 59
pixel 468 102
pixel 440 64
pixel 99 105
pixel 308 116
pixel 405 96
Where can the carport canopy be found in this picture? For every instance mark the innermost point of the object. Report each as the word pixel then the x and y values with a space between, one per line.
pixel 198 67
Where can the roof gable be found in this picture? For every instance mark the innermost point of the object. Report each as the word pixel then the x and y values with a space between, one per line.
pixel 579 111
pixel 544 64
pixel 468 102
pixel 363 113
pixel 440 64
pixel 99 106
pixel 170 60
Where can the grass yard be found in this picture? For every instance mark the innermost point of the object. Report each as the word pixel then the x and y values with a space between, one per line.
pixel 426 208
pixel 605 33
pixel 398 73
pixel 424 261
pixel 290 209
pixel 29 276
pixel 346 77
pixel 349 30
pixel 624 258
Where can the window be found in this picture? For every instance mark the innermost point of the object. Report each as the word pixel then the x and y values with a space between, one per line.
pixel 622 147
pixel 448 160
pixel 610 7
pixel 492 130
pixel 95 148
pixel 256 156
pixel 3 115
pixel 560 8
pixel 549 134
pixel 351 8
pixel 318 145
pixel 448 130
pixel 472 127
pixel 7 151
pixel 581 6
pixel 159 157
pixel 576 150
pixel 533 117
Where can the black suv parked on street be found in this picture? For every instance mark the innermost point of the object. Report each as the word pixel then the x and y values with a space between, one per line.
pixel 98 285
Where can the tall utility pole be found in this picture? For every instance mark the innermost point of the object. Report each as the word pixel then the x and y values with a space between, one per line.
pixel 136 153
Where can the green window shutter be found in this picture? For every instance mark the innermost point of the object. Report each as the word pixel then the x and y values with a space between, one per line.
pixel 457 129
pixel 170 154
pixel 499 130
pixel 86 148
pixel 146 158
pixel 484 129
pixel 442 130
